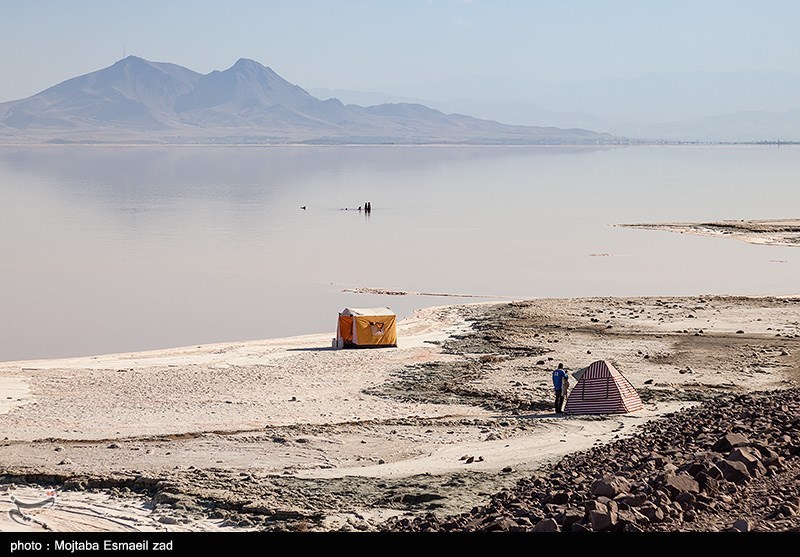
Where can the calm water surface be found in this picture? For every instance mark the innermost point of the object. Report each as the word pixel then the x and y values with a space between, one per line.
pixel 114 249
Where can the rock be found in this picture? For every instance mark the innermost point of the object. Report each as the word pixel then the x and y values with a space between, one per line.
pixel 631 527
pixel 653 513
pixel 681 483
pixel 560 498
pixel 594 505
pixel 258 507
pixel 729 442
pixel 749 459
pixel 765 452
pixel 648 382
pixel 658 459
pixel 65 462
pixel 602 521
pixel 627 517
pixel 733 471
pixel 524 522
pixel 507 469
pixel 713 471
pixel 470 460
pixel 113 446
pixel 503 524
pixel 58 449
pixel 75 484
pixel 168 520
pixel 546 525
pixel 633 500
pixel 741 525
pixel 610 486
pixel 166 498
pixel 569 517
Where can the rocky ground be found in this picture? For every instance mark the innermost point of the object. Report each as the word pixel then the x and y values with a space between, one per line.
pixel 730 464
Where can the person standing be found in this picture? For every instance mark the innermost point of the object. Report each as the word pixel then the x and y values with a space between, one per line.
pixel 560 380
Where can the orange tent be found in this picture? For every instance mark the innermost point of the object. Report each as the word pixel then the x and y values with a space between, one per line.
pixel 366 328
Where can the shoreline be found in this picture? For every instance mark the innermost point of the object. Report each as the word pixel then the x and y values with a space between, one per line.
pixel 773 232
pixel 288 433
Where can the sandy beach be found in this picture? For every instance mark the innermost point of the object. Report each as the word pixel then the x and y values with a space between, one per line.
pixel 290 434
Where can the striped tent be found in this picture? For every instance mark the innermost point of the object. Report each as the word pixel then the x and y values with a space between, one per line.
pixel 601 389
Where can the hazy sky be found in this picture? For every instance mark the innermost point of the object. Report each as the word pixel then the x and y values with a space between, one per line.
pixel 363 44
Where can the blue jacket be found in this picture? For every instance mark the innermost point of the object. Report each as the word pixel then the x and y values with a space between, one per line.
pixel 558 378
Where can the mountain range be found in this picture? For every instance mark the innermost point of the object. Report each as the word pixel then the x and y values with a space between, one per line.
pixel 136 100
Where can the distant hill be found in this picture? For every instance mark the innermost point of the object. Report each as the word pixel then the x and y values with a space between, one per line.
pixel 687 106
pixel 745 126
pixel 136 100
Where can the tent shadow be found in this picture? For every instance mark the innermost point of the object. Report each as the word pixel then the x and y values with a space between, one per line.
pixel 317 349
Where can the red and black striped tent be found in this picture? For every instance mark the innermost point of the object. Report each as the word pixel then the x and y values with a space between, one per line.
pixel 602 389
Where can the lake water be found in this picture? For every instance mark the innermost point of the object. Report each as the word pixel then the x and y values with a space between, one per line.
pixel 115 249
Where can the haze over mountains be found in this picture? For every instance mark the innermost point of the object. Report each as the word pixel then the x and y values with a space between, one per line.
pixel 690 106
pixel 136 100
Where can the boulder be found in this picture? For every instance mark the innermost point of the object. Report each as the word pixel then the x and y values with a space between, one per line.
pixel 628 517
pixel 744 455
pixel 657 459
pixel 610 486
pixel 750 458
pixel 546 525
pixel 765 451
pixel 560 498
pixel 635 500
pixel 503 524
pixel 733 471
pixel 729 442
pixel 602 521
pixel 681 483
pixel 653 513
pixel 594 505
pixel 569 517
pixel 741 525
